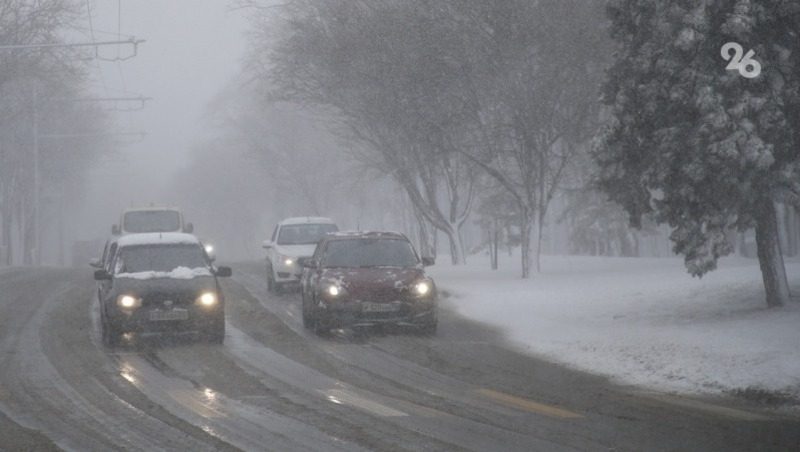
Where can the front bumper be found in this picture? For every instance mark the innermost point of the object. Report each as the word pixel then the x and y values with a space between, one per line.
pixel 348 314
pixel 198 319
pixel 288 274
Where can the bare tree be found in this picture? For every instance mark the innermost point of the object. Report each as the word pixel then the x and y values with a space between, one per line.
pixel 531 71
pixel 387 85
pixel 33 86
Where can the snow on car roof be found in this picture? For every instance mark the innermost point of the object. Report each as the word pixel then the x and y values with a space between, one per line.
pixel 303 220
pixel 145 209
pixel 388 234
pixel 158 238
pixel 177 273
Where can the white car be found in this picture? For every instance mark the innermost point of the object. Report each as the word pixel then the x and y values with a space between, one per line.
pixel 151 219
pixel 293 238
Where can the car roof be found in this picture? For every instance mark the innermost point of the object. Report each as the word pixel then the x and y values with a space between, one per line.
pixel 151 208
pixel 158 238
pixel 366 235
pixel 304 220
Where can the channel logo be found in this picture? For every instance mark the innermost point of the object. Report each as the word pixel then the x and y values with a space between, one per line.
pixel 740 61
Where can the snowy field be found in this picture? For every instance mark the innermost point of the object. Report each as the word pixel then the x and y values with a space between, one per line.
pixel 644 322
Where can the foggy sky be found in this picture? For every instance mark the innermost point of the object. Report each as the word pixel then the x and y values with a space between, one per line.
pixel 193 49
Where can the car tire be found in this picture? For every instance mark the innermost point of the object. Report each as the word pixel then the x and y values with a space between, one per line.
pixel 429 329
pixel 112 337
pixel 308 319
pixel 319 326
pixel 270 278
pixel 216 334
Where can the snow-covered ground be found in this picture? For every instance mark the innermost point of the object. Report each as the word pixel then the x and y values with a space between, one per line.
pixel 640 321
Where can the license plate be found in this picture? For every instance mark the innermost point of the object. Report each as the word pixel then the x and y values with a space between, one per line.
pixel 380 307
pixel 173 314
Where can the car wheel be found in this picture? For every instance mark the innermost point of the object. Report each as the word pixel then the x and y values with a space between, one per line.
pixel 308 320
pixel 112 337
pixel 270 278
pixel 429 329
pixel 320 326
pixel 216 333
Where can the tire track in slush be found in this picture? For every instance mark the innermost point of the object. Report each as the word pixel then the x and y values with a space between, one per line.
pixel 243 425
pixel 43 399
pixel 460 431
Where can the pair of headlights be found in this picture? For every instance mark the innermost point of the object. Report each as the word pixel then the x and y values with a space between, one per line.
pixel 420 289
pixel 207 299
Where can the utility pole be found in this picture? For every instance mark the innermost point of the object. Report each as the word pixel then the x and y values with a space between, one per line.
pixel 133 42
pixel 36 252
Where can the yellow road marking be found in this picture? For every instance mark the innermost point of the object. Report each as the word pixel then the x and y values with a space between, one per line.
pixel 527 405
pixel 718 410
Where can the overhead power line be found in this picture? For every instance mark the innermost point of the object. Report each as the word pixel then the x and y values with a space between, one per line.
pixel 132 41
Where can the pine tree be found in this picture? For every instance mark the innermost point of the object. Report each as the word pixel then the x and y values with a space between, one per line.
pixel 697 146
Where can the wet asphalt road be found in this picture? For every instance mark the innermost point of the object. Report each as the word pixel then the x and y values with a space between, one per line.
pixel 275 386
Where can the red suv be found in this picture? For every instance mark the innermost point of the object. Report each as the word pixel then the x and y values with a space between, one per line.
pixel 367 278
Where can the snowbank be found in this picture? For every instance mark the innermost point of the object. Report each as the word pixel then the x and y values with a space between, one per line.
pixel 641 321
pixel 177 273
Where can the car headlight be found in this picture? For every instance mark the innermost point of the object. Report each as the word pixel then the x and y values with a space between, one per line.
pixel 128 302
pixel 422 288
pixel 208 299
pixel 334 290
pixel 286 260
pixel 209 248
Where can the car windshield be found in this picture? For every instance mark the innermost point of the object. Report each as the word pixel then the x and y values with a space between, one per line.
pixel 151 221
pixel 304 234
pixel 159 258
pixel 369 253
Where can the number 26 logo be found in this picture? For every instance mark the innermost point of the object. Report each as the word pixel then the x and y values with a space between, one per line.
pixel 746 65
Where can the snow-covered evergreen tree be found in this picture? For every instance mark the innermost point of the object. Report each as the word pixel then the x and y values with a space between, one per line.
pixel 699 147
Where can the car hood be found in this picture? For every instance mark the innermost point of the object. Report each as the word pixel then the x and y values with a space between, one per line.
pixel 372 278
pixel 296 250
pixel 143 287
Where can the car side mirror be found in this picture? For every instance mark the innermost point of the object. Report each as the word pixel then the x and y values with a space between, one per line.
pixel 188 228
pixel 308 262
pixel 428 261
pixel 115 229
pixel 95 263
pixel 224 272
pixel 267 244
pixel 102 275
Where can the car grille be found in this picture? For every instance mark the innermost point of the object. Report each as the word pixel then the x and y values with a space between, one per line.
pixel 177 299
pixel 379 295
